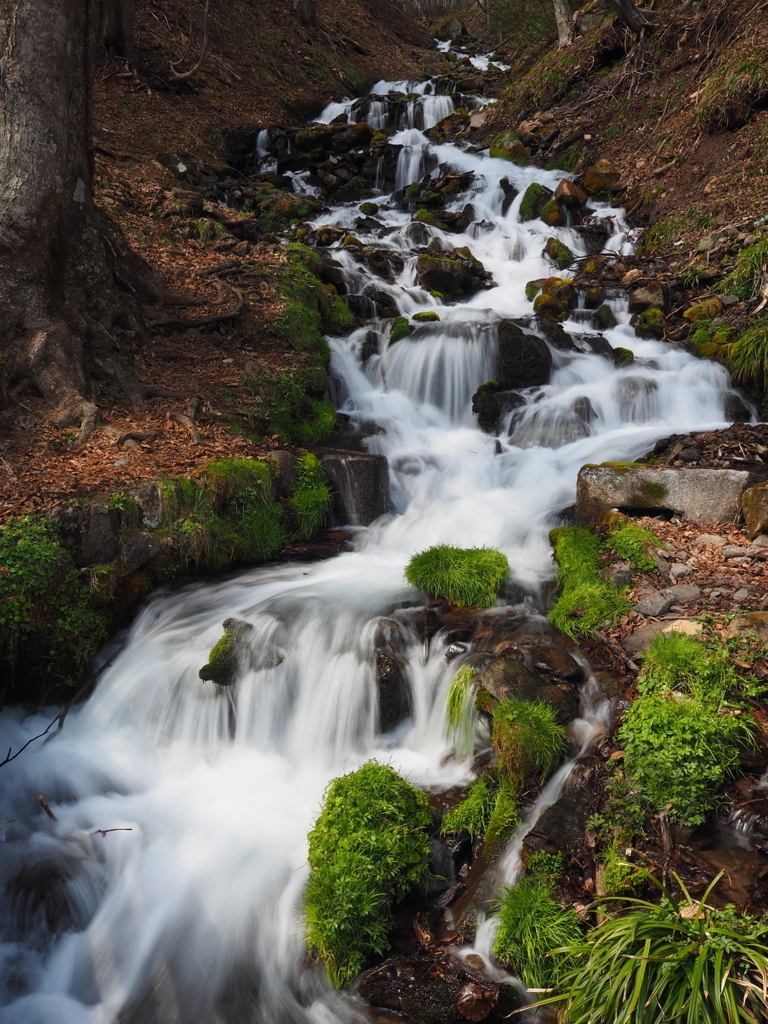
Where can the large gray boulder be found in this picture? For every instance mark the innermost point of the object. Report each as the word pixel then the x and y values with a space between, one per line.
pixel 705 496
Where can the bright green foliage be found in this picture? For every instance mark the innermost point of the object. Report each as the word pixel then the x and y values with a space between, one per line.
pixel 676 961
pixel 586 600
pixel 527 738
pixel 295 413
pixel 748 356
pixel 400 329
pixel 311 498
pixel 620 878
pixel 472 814
pixel 503 817
pixel 631 541
pixel 746 278
pixel 683 663
pixel 461 710
pixel 680 753
pixel 44 606
pixel 468 577
pixel 425 318
pixel 224 658
pixel 369 848
pixel 534 199
pixel 533 928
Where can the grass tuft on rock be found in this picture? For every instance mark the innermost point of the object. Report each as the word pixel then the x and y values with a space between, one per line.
pixel 311 499
pixel 369 848
pixel 586 601
pixel 527 738
pixel 467 577
pixel 748 356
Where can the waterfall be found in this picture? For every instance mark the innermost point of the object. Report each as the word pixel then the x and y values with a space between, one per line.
pixel 168 888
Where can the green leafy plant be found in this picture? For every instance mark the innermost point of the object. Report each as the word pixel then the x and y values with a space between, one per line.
pixel 468 577
pixel 472 814
pixel 679 960
pixel 631 541
pixel 369 848
pixel 534 929
pixel 685 664
pixel 586 600
pixel 311 498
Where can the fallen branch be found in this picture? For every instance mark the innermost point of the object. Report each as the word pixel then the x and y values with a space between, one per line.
pixel 203 53
pixel 44 804
pixel 135 435
pixel 189 423
pixel 103 831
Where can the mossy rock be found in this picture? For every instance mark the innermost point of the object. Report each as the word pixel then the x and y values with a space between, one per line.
pixel 649 323
pixel 225 656
pixel 593 298
pixel 426 217
pixel 400 329
pixel 378 138
pixel 706 310
pixel 425 318
pixel 351 241
pixel 604 317
pixel 603 178
pixel 558 252
pixel 533 288
pixel 552 215
pixel 369 209
pixel 535 198
pixel 623 356
pixel 509 147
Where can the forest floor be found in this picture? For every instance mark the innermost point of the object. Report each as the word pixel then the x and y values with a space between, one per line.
pixel 639 107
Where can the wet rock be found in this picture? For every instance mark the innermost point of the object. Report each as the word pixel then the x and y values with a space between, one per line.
pixel 654 604
pixel 436 988
pixel 605 318
pixel 454 275
pixel 490 404
pixel 560 829
pixel 507 677
pixel 361 486
pixel 524 360
pixel 394 691
pixel 227 654
pixel 534 200
pixel 569 193
pixel 139 549
pixel 558 253
pixel 701 495
pixel 101 542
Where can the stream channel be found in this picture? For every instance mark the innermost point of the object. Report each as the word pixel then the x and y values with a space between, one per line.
pixel 191 912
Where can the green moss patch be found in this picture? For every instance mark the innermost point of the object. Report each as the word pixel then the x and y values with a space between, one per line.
pixel 225 655
pixel 400 328
pixel 587 601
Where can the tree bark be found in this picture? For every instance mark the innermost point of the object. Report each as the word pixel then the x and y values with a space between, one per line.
pixel 68 281
pixel 564 19
pixel 305 9
pixel 632 17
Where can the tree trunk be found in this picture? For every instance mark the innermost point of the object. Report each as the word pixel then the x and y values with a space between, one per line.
pixel 564 19
pixel 68 281
pixel 305 9
pixel 632 17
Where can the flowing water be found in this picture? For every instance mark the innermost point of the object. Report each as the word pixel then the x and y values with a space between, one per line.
pixel 189 912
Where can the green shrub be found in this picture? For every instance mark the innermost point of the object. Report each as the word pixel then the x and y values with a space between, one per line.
pixel 631 541
pixel 296 415
pixel 369 848
pixel 311 499
pixel 675 661
pixel 45 618
pixel 675 961
pixel 468 577
pixel 527 738
pixel 586 601
pixel 533 929
pixel 680 753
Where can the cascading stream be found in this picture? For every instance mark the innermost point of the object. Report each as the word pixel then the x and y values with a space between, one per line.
pixel 192 913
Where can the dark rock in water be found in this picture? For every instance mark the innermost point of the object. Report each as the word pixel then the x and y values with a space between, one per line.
pixel 506 677
pixel 361 486
pixel 560 829
pixel 599 345
pixel 555 334
pixel 227 654
pixel 454 273
pixel 436 988
pixel 584 409
pixel 736 409
pixel 524 360
pixel 394 691
pixel 490 404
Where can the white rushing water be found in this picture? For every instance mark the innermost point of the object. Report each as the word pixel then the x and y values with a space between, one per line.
pixel 191 911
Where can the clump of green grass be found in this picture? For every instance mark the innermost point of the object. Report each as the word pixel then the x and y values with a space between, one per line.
pixel 472 814
pixel 369 848
pixel 749 273
pixel 681 663
pixel 587 601
pixel 678 960
pixel 527 738
pixel 311 498
pixel 467 577
pixel 534 928
pixel 732 92
pixel 748 356
pixel 631 541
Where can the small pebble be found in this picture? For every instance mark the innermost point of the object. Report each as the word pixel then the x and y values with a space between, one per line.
pixel 708 539
pixel 741 594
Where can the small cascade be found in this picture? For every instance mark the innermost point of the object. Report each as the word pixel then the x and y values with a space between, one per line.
pixel 191 909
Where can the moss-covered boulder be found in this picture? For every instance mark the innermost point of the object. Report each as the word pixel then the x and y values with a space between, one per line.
pixel 425 318
pixel 603 178
pixel 455 274
pixel 552 214
pixel 706 310
pixel 605 318
pixel 649 323
pixel 557 299
pixel 400 329
pixel 593 298
pixel 558 253
pixel 490 403
pixel 508 147
pixel 535 198
pixel 226 655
